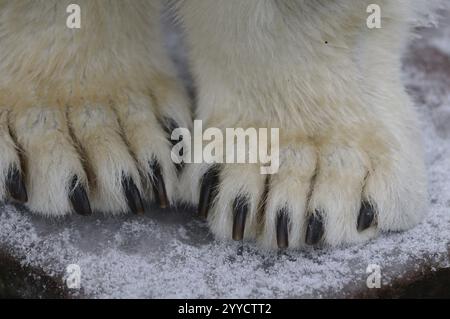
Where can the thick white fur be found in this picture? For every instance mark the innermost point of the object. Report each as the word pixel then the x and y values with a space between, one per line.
pixel 87 101
pixel 314 70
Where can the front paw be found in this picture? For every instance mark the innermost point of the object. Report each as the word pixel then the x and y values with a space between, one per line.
pixel 325 193
pixel 105 155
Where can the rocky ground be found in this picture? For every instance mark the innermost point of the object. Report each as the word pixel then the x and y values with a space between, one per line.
pixel 171 253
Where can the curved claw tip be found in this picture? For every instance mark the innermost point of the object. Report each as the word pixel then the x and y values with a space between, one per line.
pixel 240 210
pixel 209 183
pixel 315 229
pixel 79 198
pixel 169 126
pixel 283 230
pixel 132 196
pixel 16 186
pixel 159 186
pixel 366 216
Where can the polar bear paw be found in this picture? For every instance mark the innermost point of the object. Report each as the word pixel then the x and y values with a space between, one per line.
pixel 90 155
pixel 329 194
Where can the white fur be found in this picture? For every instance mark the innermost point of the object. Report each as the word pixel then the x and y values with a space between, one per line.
pixel 86 102
pixel 313 69
pixel 8 155
pixel 89 101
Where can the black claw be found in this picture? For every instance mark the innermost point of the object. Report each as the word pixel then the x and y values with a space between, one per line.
pixel 159 187
pixel 366 216
pixel 169 126
pixel 240 210
pixel 207 191
pixel 79 198
pixel 133 197
pixel 16 186
pixel 315 229
pixel 283 229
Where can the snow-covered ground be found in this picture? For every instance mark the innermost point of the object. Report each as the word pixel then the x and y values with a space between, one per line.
pixel 171 254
